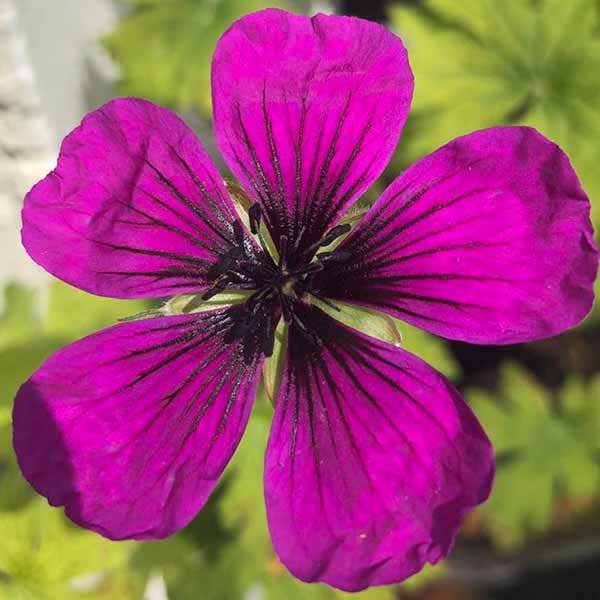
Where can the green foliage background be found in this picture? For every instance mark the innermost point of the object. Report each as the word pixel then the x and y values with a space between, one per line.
pixel 480 63
pixel 477 63
pixel 165 47
pixel 225 552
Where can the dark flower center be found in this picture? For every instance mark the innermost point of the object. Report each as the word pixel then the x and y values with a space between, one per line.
pixel 276 286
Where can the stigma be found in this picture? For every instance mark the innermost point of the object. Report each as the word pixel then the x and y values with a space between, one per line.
pixel 275 286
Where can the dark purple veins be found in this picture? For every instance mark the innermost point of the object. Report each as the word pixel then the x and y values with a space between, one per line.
pixel 277 284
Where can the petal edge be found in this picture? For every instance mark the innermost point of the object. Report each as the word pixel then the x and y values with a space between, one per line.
pixel 487 240
pixel 130 428
pixel 372 462
pixel 134 208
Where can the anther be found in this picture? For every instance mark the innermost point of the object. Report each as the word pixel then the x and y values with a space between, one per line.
pixel 218 287
pixel 253 302
pixel 334 233
pixel 226 261
pixel 255 216
pixel 330 237
pixel 335 256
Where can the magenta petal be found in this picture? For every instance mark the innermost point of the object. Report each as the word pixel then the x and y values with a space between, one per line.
pixel 372 461
pixel 134 208
pixel 307 112
pixel 131 427
pixel 486 240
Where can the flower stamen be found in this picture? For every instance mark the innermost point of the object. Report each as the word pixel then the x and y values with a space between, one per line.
pixel 276 284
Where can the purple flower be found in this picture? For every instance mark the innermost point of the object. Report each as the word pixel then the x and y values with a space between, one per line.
pixel 373 458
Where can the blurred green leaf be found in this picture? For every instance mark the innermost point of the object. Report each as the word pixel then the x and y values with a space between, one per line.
pixel 546 447
pixel 42 556
pixel 165 47
pixel 479 63
pixel 73 313
pixel 20 316
pixel 431 349
pixel 31 565
pixel 226 551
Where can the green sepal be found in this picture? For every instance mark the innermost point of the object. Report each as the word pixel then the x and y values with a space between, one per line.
pixel 384 327
pixel 274 364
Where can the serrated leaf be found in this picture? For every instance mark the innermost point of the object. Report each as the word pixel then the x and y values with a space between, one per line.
pixel 580 402
pixel 544 453
pixel 481 63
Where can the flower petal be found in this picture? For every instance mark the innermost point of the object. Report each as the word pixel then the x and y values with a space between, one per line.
pixel 307 112
pixel 131 427
pixel 372 461
pixel 487 240
pixel 134 208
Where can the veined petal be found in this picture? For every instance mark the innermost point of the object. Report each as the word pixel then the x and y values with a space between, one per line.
pixel 131 427
pixel 487 240
pixel 134 208
pixel 372 461
pixel 307 113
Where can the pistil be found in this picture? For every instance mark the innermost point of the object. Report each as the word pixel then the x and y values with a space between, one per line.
pixel 276 287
